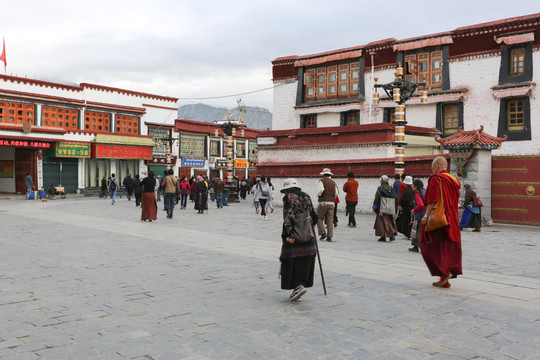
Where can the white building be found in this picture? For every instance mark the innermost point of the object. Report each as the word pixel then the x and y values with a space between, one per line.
pixel 75 135
pixel 480 75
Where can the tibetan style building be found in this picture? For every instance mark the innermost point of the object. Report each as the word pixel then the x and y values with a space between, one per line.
pixel 476 77
pixel 75 135
pixel 203 150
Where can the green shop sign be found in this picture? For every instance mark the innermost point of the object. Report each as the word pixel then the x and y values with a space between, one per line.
pixel 72 150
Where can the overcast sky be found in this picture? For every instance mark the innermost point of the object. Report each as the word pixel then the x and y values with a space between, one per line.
pixel 201 49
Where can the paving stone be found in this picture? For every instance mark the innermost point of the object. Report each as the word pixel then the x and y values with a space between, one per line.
pixel 90 280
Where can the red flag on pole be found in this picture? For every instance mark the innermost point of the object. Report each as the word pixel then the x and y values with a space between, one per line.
pixel 3 56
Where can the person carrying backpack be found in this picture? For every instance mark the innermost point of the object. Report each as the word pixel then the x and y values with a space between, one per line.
pixel 113 188
pixel 262 191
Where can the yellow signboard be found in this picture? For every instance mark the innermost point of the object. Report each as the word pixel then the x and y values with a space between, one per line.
pixel 240 163
pixel 72 150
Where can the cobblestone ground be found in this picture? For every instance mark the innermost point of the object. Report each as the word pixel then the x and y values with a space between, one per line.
pixel 82 279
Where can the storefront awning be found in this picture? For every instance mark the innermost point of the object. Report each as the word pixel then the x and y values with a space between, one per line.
pixel 106 146
pixel 123 140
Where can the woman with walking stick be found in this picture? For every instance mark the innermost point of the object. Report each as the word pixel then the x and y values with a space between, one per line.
pixel 299 246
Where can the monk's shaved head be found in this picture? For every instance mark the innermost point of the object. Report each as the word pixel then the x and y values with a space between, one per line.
pixel 439 164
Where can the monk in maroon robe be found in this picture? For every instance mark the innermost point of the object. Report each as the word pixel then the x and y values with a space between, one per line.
pixel 441 248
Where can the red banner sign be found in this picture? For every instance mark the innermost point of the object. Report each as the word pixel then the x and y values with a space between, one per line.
pixel 105 151
pixel 25 143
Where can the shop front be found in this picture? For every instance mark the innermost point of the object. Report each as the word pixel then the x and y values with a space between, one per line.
pixel 61 165
pixel 17 158
pixel 116 154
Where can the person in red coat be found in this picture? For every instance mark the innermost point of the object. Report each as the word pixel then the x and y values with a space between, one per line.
pixel 351 199
pixel 441 248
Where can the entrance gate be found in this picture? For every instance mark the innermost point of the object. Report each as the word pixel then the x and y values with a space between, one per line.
pixel 516 189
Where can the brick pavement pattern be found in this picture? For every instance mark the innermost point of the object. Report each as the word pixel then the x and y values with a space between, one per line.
pixel 81 279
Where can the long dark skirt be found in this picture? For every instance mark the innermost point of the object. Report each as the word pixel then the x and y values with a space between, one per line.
pixel 149 206
pixel 384 226
pixel 201 201
pixel 297 271
pixel 403 222
pixel 441 255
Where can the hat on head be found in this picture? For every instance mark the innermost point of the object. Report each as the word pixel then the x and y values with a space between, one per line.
pixel 408 180
pixel 384 178
pixel 326 171
pixel 289 184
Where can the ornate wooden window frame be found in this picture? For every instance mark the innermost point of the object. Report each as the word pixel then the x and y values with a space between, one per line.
pixel 425 66
pixel 515 114
pixel 517 61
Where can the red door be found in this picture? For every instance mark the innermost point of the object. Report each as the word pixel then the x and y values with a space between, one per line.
pixel 515 189
pixel 24 162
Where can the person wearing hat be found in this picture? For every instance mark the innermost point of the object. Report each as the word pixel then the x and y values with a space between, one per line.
pixel 297 259
pixel 384 222
pixel 406 203
pixel 326 192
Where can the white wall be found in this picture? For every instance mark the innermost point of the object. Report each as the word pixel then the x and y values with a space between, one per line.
pixel 283 116
pixel 324 154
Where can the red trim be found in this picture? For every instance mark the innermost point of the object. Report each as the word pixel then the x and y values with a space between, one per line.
pixel 98 105
pixel 467 41
pixel 418 166
pixel 201 127
pixel 35 129
pixel 16 79
pixel 128 92
pixel 412 130
pixel 35 97
pixel 158 125
pixel 29 138
pixel 497 22
pixel 160 107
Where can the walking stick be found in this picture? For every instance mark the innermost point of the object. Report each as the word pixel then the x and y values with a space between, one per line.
pixel 319 258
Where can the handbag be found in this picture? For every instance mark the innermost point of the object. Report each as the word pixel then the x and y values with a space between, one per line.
pixel 302 231
pixel 387 204
pixel 437 218
pixel 476 201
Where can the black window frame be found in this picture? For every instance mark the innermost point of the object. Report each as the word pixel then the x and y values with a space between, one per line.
pixel 387 115
pixel 505 72
pixel 439 117
pixel 514 135
pixel 343 117
pixel 303 120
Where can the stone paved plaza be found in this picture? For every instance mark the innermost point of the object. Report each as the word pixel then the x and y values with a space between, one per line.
pixel 82 279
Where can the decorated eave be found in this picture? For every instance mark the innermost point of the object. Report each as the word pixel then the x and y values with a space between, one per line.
pixel 116 139
pixel 207 128
pixel 471 139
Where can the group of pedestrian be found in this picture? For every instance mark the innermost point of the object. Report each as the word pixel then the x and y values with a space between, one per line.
pixel 404 207
pixel 406 199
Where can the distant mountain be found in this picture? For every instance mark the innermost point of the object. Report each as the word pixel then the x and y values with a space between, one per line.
pixel 255 117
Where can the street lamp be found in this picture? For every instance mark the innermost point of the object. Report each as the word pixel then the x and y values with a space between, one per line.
pixel 399 90
pixel 168 142
pixel 229 127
